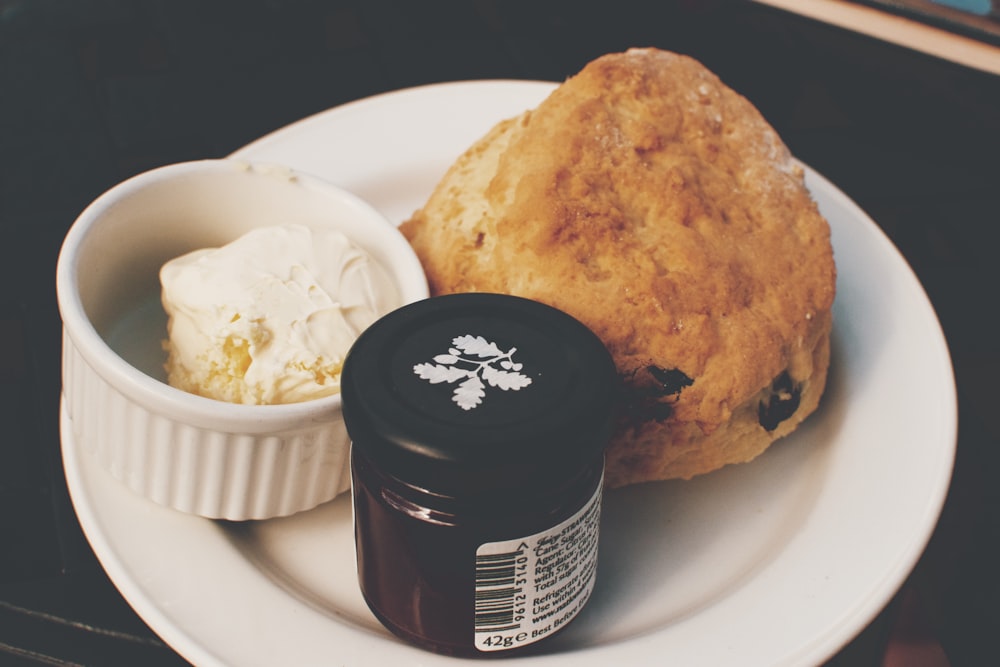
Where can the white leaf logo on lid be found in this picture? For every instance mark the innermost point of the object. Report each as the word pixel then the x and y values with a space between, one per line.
pixel 477 363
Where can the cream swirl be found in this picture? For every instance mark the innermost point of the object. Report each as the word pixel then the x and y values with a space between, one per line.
pixel 269 317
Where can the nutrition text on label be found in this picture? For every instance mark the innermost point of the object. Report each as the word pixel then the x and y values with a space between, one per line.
pixel 528 588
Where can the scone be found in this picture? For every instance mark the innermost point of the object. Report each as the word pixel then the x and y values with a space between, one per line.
pixel 657 206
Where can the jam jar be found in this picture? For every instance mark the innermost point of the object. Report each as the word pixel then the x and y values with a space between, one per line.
pixel 478 425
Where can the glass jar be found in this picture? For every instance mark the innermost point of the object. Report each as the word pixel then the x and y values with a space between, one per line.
pixel 478 426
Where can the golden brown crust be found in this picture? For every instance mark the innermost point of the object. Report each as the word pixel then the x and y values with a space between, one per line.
pixel 656 205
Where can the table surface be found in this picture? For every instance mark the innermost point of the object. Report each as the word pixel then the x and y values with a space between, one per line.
pixel 94 91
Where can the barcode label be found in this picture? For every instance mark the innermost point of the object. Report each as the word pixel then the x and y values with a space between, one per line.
pixel 496 593
pixel 528 588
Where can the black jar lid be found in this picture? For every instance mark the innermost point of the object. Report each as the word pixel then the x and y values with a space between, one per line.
pixel 472 393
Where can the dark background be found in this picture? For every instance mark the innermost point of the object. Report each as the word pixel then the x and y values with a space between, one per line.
pixel 94 91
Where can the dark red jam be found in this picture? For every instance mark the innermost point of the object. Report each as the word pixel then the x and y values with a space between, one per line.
pixel 478 424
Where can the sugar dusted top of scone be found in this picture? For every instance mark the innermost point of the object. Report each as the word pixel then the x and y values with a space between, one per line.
pixel 658 206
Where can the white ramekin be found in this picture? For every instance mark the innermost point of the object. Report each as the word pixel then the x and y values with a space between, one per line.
pixel 195 454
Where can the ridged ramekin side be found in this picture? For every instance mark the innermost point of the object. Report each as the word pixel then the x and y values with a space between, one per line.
pixel 212 473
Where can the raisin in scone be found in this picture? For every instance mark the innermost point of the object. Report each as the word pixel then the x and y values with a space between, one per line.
pixel 656 205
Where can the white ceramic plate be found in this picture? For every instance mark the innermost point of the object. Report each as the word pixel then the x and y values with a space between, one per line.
pixel 777 562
